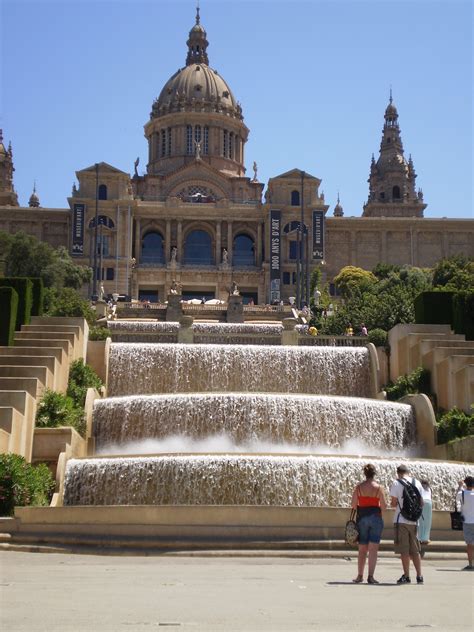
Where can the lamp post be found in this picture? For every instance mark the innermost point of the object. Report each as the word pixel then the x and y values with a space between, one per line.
pixel 301 247
pixel 94 278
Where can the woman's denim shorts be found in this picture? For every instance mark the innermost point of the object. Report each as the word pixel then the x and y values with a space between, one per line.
pixel 370 528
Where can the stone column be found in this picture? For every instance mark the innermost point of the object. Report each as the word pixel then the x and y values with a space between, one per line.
pixel 230 242
pixel 353 248
pixel 138 240
pixel 179 245
pixel 259 244
pixel 218 242
pixel 383 246
pixel 168 241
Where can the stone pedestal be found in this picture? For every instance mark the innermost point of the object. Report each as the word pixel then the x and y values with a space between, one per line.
pixel 235 309
pixel 101 309
pixel 174 310
pixel 185 331
pixel 289 335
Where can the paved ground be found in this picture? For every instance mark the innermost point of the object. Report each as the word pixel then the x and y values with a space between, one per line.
pixel 80 593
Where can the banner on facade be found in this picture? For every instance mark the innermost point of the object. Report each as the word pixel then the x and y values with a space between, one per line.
pixel 318 235
pixel 79 213
pixel 275 256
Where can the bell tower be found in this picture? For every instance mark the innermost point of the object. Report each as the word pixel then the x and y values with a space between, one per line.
pixel 392 178
pixel 8 197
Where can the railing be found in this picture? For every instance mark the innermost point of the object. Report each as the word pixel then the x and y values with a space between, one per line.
pixel 204 308
pixel 267 308
pixel 141 306
pixel 332 341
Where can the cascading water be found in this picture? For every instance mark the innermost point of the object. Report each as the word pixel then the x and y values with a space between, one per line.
pixel 161 368
pixel 220 399
pixel 216 479
pixel 248 419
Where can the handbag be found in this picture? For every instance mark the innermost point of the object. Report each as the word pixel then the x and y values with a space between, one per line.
pixel 457 518
pixel 351 534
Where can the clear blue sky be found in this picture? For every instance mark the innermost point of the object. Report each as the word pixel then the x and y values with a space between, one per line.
pixel 79 77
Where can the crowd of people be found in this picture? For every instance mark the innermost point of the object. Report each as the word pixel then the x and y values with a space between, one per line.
pixel 411 499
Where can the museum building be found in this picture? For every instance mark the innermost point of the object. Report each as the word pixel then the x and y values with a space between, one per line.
pixel 196 219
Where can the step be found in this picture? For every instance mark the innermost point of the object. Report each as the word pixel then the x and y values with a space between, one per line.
pixel 11 421
pixel 53 357
pixel 28 384
pixel 25 404
pixel 44 362
pixel 41 373
pixel 25 339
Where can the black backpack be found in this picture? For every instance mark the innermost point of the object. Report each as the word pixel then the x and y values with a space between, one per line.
pixel 412 504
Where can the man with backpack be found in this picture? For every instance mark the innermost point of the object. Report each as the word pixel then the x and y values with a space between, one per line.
pixel 407 500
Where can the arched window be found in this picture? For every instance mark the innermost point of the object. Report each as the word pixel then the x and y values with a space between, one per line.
pixel 189 140
pixel 102 191
pixel 206 140
pixel 152 248
pixel 198 248
pixel 243 251
pixel 396 192
pixel 295 198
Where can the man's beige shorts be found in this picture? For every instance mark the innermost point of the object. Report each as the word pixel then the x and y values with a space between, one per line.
pixel 405 539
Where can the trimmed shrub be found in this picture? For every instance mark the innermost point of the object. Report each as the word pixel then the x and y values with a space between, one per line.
pixel 8 313
pixel 434 308
pixel 24 288
pixel 99 333
pixel 67 302
pixel 81 377
pixel 418 381
pixel 463 314
pixel 23 484
pixel 378 337
pixel 454 424
pixel 38 296
pixel 56 409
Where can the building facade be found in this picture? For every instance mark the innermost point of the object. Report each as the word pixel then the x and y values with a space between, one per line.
pixel 196 219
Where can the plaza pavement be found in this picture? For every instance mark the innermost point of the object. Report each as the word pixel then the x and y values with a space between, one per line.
pixel 88 593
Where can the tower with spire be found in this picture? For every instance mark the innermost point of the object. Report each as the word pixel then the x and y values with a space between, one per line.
pixel 8 197
pixel 392 178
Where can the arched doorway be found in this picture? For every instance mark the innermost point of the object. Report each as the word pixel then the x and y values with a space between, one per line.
pixel 152 248
pixel 198 248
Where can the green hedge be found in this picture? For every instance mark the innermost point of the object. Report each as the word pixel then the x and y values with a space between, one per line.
pixel 8 313
pixel 38 296
pixel 434 308
pixel 23 484
pixel 24 287
pixel 463 314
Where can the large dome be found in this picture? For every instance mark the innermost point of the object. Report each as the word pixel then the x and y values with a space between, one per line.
pixel 196 85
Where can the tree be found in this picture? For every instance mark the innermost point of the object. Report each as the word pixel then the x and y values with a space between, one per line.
pixel 26 256
pixel 454 273
pixel 351 279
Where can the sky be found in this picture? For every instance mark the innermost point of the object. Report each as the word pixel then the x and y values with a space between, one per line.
pixel 78 79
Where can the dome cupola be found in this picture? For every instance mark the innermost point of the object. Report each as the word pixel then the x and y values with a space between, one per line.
pixel 196 116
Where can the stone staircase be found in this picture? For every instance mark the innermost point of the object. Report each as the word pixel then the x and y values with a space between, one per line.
pixel 449 357
pixel 39 359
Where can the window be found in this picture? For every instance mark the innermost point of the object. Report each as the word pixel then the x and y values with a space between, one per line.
pixel 225 148
pixel 152 248
pixel 102 192
pixel 243 251
pixel 205 148
pixel 168 141
pixel 295 198
pixel 286 278
pixel 198 248
pixel 189 140
pixel 231 145
pixel 163 143
pixel 110 274
pixel 293 250
pixel 382 195
pixel 396 193
pixel 103 245
pixel 197 133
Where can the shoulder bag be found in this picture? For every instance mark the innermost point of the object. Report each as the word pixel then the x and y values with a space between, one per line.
pixel 351 535
pixel 457 518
